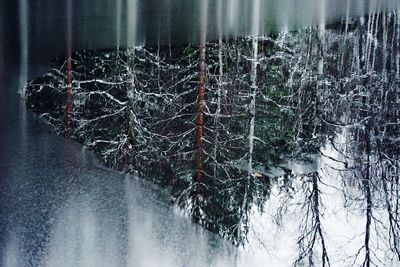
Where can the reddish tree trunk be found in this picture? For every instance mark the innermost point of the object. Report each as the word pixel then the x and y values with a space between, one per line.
pixel 199 143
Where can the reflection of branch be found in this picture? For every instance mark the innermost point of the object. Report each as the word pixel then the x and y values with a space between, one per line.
pixel 367 188
pixel 393 212
pixel 312 228
pixel 353 125
pixel 102 93
pixel 366 182
pixel 83 122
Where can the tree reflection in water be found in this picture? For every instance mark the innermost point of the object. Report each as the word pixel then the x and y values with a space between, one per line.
pixel 326 100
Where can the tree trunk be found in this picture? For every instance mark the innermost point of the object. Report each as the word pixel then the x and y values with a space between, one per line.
pixel 199 140
pixel 252 106
pixel 68 133
pixel 68 122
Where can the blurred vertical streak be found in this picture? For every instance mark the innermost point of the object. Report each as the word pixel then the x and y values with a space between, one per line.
pixel 24 44
pixel 118 11
pixel 219 19
pixel 20 112
pixel 256 12
pixel 348 6
pixel 2 45
pixel 69 71
pixel 2 93
pixel 132 22
pixel 322 17
pixel 284 19
pixel 233 17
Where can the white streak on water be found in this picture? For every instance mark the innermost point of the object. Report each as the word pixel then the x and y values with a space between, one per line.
pixel 24 45
pixel 203 20
pixel 347 16
pixel 118 11
pixel 220 14
pixel 255 24
pixel 233 14
pixel 322 17
pixel 132 15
